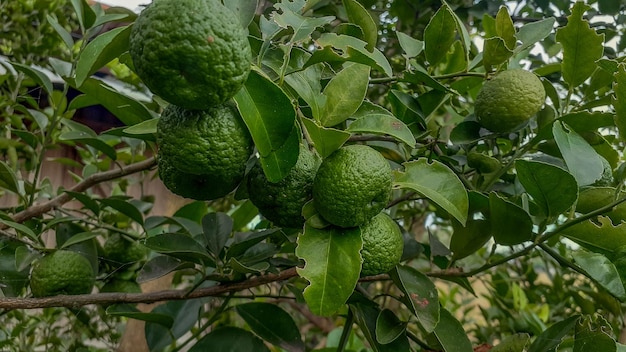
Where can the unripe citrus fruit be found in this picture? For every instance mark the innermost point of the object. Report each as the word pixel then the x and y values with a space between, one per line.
pixel 119 251
pixel 382 245
pixel 62 272
pixel 192 53
pixel 508 100
pixel 352 185
pixel 281 202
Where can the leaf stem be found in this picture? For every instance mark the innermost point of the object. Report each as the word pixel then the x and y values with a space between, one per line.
pixel 345 333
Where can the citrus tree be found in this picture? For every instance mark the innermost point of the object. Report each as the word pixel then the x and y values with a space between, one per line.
pixel 359 176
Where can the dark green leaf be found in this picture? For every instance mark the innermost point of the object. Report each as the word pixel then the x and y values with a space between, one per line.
pixel 85 14
pixel 436 182
pixel 179 246
pixel 601 237
pixel 510 224
pixel 21 229
pixel 79 237
pixel 160 266
pixel 552 188
pixel 325 140
pixel 307 84
pixel 185 314
pixel 579 61
pixel 125 207
pixel 277 164
pixel 244 241
pixel 366 315
pixel 101 51
pixel 217 228
pixel 552 336
pixel 243 214
pixel 332 259
pixel 389 327
pixel 467 239
pixel 272 324
pixel 243 268
pixel 439 35
pixel 581 159
pixel 450 334
pixel 36 75
pixel 129 311
pixel 420 295
pixel 592 336
pixel 601 270
pixel 8 180
pixel 513 343
pixel 358 15
pixel 86 200
pixel 229 339
pixel 61 31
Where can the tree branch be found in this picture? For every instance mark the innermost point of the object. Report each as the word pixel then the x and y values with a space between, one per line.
pixel 82 186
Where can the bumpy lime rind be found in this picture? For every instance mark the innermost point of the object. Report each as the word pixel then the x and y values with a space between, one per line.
pixel 62 273
pixel 382 245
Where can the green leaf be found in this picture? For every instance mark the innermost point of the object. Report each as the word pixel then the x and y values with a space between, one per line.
pixel 510 224
pixel 129 110
pixel 450 334
pixel 383 124
pixel 512 343
pixel 185 314
pixel 267 111
pixel 552 336
pixel 420 295
pixel 179 246
pixel 602 237
pixel 342 48
pixel 229 339
pixel 592 336
pixel 439 34
pixel 389 327
pixel 36 75
pixel 245 10
pixel 85 14
pixel 358 15
pixel 160 266
pixel 61 31
pixel 8 180
pixel 21 229
pixel 366 314
pixel 95 142
pixel 344 94
pixel 277 164
pixel 504 27
pixel 272 324
pixel 406 108
pixel 325 140
pixel 495 52
pixel 469 238
pixel 602 271
pixel 619 100
pixel 307 84
pixel 217 228
pixel 532 32
pixel 436 182
pixel 581 159
pixel 145 127
pixel 552 188
pixel 582 46
pixel 332 266
pixel 79 237
pixel 302 26
pixel 101 51
pixel 129 311
pixel 244 241
pixel 124 207
pixel 411 46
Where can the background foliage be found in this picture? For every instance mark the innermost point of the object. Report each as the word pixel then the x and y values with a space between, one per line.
pixel 511 240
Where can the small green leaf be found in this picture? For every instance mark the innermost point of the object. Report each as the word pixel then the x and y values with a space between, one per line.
pixel 307 84
pixel 272 324
pixel 179 246
pixel 602 271
pixel 229 339
pixel 36 75
pixel 581 159
pixel 495 52
pixel 21 228
pixel 420 295
pixel 450 334
pixel 533 32
pixel 85 14
pixel 579 61
pixel 552 336
pixel 358 15
pixel 61 31
pixel 217 228
pixel 344 94
pixel 436 182
pixel 504 27
pixel 185 314
pixel 383 124
pixel 124 207
pixel 411 46
pixel 8 180
pixel 512 343
pixel 469 238
pixel 325 140
pixel 388 327
pixel 145 127
pixel 242 242
pixel 79 237
pixel 510 224
pixel 302 26
pixel 366 314
pixel 101 51
pixel 160 266
pixel 332 259
pixel 96 143
pixel 439 35
pixel 406 108
pixel 552 188
pixel 129 311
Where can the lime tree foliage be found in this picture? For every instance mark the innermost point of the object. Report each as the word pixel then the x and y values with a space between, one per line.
pixel 359 175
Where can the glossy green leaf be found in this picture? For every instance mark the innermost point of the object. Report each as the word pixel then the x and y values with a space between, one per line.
pixel 619 100
pixel 270 117
pixel 513 343
pixel 592 336
pixel 277 164
pixel 325 140
pixel 273 324
pixel 302 26
pixel 366 314
pixel 358 15
pixel 510 224
pixel 23 229
pixel 579 61
pixel 124 207
pixel 342 48
pixel 450 334
pixel 129 311
pixel 553 189
pixel 467 239
pixel 129 110
pixel 185 314
pixel 101 51
pixel 344 94
pixel 602 271
pixel 179 246
pixel 79 237
pixel 436 182
pixel 388 327
pixel 383 124
pixel 229 339
pixel 439 35
pixel 332 266
pixel 411 46
pixel 504 28
pixel 552 336
pixel 532 32
pixel 420 295
pixel 581 159
pixel 308 86
pixel 36 75
pixel 406 108
pixel 216 228
pixel 85 14
pixel 246 240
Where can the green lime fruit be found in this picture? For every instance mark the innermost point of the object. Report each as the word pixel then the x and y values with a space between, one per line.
pixel 281 202
pixel 352 185
pixel 118 285
pixel 62 273
pixel 593 198
pixel 382 245
pixel 214 141
pixel 192 53
pixel 119 251
pixel 484 164
pixel 508 100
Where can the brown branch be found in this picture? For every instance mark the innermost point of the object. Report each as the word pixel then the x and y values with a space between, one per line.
pixel 76 301
pixel 82 186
